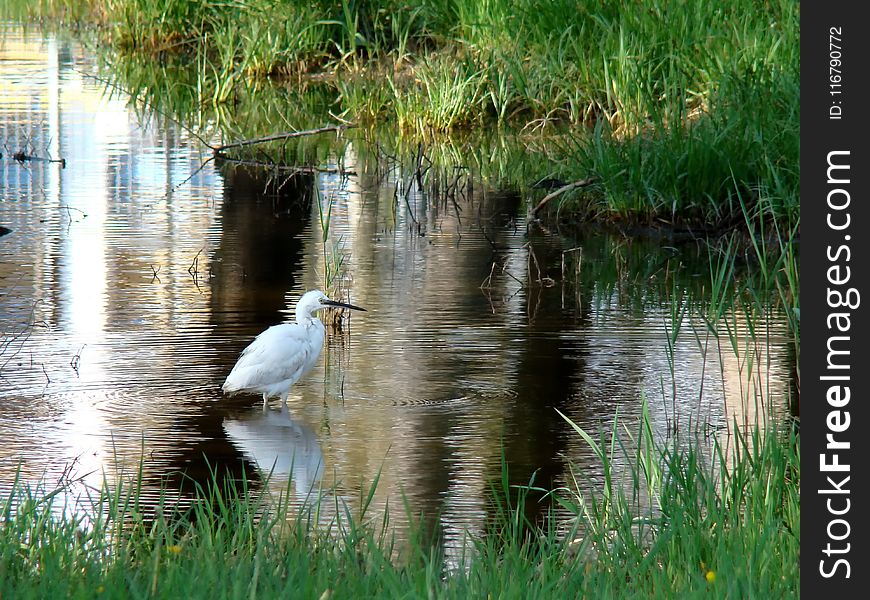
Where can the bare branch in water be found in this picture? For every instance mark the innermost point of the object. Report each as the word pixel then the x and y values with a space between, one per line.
pixel 24 157
pixel 280 136
pixel 565 188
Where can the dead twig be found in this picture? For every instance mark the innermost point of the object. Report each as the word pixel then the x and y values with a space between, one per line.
pixel 193 174
pixel 279 136
pixel 487 282
pixel 543 280
pixel 24 157
pixel 512 276
pixel 293 169
pixel 565 188
pixel 193 269
pixel 76 360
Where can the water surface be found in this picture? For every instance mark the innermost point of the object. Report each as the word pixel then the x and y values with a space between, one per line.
pixel 133 276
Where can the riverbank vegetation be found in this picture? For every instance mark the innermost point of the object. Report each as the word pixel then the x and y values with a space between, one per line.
pixel 709 530
pixel 679 112
pixel 681 115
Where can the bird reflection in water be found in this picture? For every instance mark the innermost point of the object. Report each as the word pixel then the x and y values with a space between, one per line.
pixel 282 449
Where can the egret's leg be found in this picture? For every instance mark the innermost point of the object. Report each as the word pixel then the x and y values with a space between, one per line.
pixel 284 401
pixel 265 400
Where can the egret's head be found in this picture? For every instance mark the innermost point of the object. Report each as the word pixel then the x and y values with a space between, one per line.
pixel 312 301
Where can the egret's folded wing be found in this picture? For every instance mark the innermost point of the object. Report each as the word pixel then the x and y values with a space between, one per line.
pixel 276 356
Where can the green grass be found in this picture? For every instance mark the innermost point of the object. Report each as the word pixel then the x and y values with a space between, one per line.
pixel 703 172
pixel 634 67
pixel 682 109
pixel 741 523
pixel 737 517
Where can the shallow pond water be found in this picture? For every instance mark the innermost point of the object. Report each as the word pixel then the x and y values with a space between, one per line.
pixel 133 276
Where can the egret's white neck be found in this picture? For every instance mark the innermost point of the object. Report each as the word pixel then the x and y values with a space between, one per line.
pixel 304 317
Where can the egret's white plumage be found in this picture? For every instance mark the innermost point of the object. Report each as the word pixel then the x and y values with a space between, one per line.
pixel 283 354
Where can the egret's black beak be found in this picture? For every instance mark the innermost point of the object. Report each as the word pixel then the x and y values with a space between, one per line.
pixel 342 305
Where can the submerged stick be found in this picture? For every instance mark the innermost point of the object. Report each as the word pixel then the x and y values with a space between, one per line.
pixel 242 162
pixel 280 136
pixel 22 157
pixel 565 188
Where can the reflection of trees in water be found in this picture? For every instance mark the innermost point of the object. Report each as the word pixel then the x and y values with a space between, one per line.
pixel 260 254
pixel 447 353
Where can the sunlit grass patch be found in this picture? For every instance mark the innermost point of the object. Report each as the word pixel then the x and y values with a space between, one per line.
pixel 732 529
pixel 680 111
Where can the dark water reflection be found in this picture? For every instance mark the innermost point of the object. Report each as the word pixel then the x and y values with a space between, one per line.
pixel 131 281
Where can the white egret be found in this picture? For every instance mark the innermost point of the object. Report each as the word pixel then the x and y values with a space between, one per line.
pixel 283 354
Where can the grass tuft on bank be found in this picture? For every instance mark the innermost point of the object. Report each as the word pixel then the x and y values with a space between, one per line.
pixel 721 524
pixel 680 110
pixel 631 66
